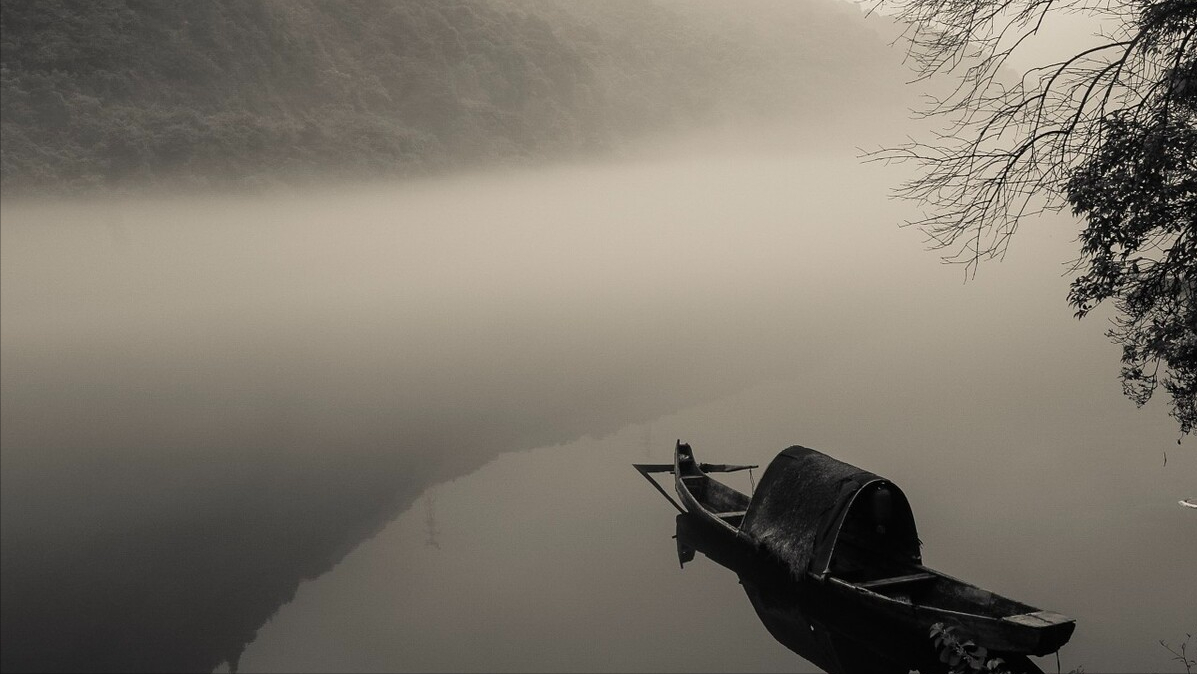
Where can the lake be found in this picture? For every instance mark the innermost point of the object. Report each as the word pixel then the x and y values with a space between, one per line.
pixel 390 427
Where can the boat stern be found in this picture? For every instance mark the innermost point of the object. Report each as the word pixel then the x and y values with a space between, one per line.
pixel 1052 630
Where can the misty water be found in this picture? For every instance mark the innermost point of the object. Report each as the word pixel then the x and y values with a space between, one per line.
pixel 390 426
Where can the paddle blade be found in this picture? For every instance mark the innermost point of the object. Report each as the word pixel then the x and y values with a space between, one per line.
pixel 647 468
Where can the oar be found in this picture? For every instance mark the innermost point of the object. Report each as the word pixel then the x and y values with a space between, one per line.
pixel 646 468
pixel 723 467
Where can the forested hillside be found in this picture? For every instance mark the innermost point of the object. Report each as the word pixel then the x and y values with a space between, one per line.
pixel 116 92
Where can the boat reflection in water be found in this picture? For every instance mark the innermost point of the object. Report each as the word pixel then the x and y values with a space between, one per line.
pixel 822 628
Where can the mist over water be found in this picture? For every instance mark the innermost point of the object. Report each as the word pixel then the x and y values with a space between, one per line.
pixel 208 400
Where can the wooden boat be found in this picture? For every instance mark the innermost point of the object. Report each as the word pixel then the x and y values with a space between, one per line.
pixel 853 533
pixel 835 636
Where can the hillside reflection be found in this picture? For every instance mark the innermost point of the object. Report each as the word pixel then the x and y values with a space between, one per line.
pixel 828 633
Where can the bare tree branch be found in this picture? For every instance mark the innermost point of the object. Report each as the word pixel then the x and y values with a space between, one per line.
pixel 1109 131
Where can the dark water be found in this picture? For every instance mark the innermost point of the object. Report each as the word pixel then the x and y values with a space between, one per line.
pixel 391 428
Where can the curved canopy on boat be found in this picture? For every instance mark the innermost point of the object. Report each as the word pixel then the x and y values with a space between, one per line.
pixel 820 515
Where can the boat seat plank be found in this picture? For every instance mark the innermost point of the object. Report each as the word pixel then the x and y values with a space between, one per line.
pixel 731 514
pixel 896 580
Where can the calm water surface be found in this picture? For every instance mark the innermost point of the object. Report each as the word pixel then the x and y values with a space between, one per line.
pixel 391 428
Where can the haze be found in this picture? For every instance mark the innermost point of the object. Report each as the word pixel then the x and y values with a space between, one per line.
pixel 211 399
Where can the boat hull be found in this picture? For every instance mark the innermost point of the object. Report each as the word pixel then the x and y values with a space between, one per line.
pixel 1034 633
pixel 704 497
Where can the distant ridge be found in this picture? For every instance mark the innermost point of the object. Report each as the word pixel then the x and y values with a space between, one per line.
pixel 98 95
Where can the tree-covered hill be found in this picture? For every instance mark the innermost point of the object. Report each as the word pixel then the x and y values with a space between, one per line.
pixel 113 92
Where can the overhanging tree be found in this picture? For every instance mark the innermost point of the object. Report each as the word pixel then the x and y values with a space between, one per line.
pixel 1110 131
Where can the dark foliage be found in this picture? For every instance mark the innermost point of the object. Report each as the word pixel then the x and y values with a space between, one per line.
pixel 1110 131
pixel 1138 195
pixel 116 92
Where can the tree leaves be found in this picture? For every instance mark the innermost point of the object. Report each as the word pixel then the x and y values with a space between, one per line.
pixel 1110 131
pixel 1138 195
pixel 963 657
